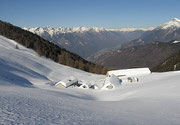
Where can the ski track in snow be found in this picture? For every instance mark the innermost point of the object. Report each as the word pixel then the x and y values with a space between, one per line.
pixel 27 97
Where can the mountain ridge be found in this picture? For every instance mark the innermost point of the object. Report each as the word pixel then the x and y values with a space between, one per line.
pixel 50 30
pixel 163 33
pixel 148 55
pixel 86 41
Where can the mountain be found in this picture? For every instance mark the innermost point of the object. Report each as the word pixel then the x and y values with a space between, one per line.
pixel 150 49
pixel 163 33
pixel 148 55
pixel 48 49
pixel 86 41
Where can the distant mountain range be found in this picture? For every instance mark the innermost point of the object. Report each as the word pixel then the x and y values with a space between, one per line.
pixel 54 31
pixel 163 33
pixel 90 41
pixel 118 48
pixel 86 41
pixel 150 49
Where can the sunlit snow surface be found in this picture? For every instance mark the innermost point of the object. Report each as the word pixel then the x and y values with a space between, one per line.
pixel 27 97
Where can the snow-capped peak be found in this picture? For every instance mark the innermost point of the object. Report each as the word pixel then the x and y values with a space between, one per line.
pixel 175 20
pixel 131 29
pixel 173 23
pixel 52 31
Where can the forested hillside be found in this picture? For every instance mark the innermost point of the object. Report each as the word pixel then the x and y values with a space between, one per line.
pixel 170 64
pixel 48 49
pixel 149 55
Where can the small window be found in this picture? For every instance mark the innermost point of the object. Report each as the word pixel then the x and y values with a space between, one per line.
pixel 84 86
pixel 109 86
pixel 130 79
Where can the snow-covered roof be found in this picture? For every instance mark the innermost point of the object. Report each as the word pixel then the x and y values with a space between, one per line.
pixel 68 81
pixel 112 81
pixel 176 41
pixel 129 72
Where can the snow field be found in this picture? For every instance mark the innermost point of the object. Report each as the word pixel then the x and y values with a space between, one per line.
pixel 27 97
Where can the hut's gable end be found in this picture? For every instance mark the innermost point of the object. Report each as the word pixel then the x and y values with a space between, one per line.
pixel 60 85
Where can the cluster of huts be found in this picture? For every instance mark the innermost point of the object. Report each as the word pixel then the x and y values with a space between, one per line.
pixel 113 79
pixel 74 82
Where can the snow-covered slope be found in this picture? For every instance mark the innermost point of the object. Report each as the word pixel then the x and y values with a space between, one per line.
pixel 23 63
pixel 155 99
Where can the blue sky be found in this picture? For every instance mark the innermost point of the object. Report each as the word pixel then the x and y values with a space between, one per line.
pixel 99 13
